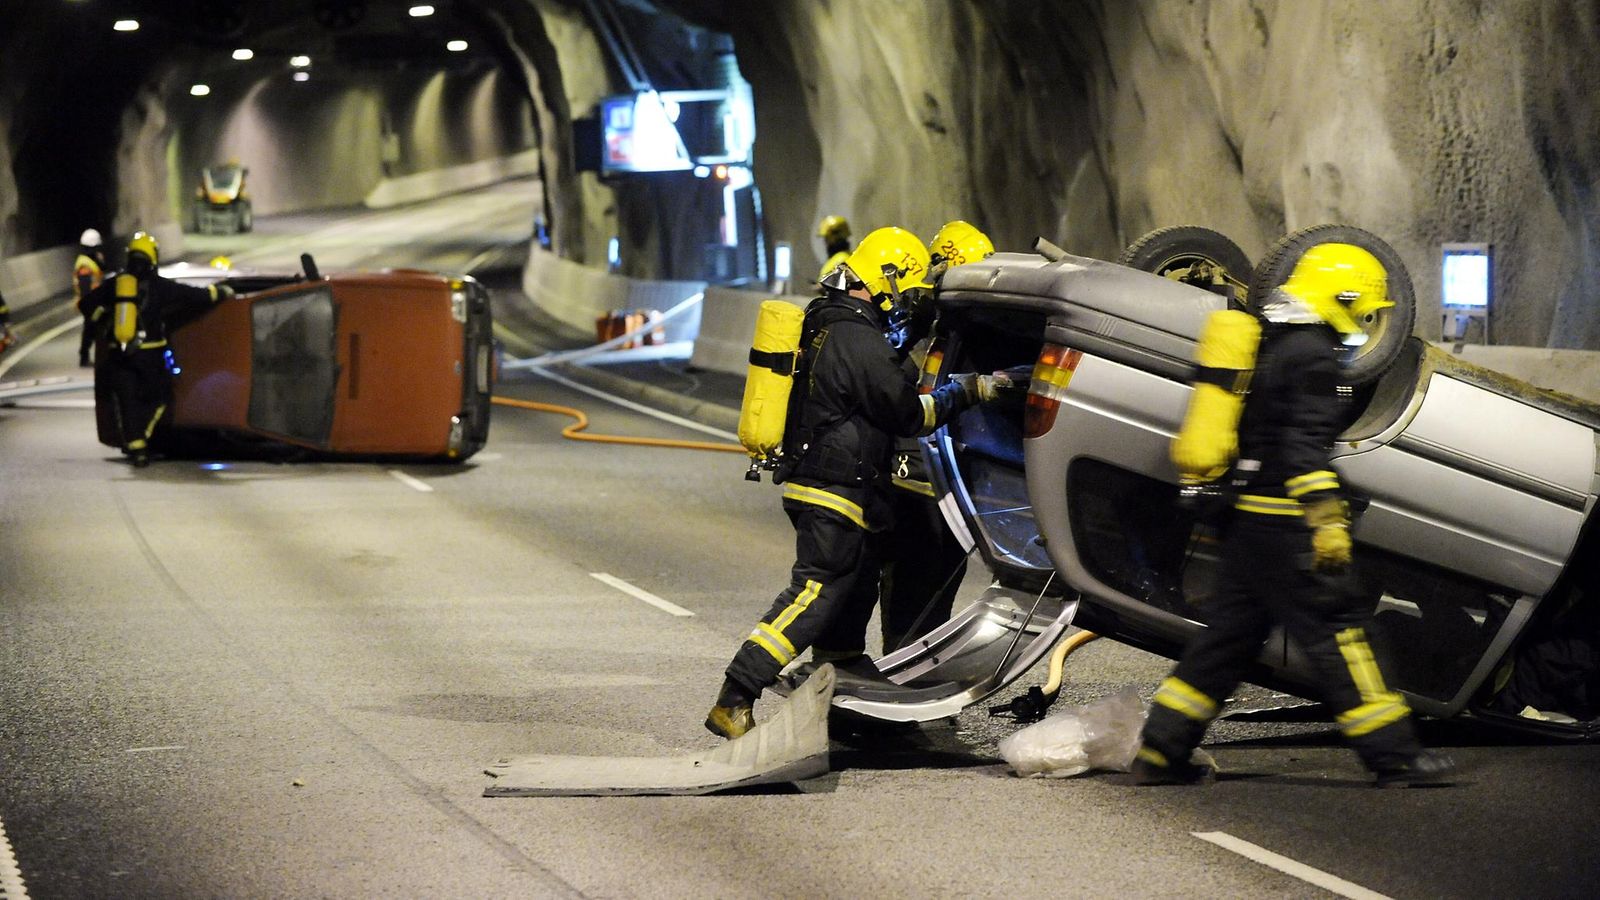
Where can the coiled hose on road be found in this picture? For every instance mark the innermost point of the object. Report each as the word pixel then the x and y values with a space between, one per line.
pixel 575 430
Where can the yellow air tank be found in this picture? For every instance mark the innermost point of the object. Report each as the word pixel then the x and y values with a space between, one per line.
pixel 125 315
pixel 1225 358
pixel 773 355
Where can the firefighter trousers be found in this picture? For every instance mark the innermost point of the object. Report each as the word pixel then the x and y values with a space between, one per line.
pixel 1266 578
pixel 141 388
pixel 827 605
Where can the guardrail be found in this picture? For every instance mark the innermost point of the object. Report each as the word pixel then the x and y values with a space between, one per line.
pixel 30 278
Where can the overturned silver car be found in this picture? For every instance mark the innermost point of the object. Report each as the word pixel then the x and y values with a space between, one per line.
pixel 1472 492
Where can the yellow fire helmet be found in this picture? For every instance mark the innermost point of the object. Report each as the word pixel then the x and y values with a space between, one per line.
pixel 834 228
pixel 144 242
pixel 1346 285
pixel 890 250
pixel 959 243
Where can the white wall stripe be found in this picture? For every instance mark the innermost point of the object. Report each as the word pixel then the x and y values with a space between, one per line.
pixel 1288 866
pixel 640 594
pixel 11 886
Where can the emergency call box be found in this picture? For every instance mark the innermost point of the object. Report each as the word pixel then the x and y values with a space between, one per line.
pixel 1467 279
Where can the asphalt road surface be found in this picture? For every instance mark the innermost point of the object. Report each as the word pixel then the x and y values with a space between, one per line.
pixel 250 679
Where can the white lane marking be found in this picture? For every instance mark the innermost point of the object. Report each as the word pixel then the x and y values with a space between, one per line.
pixel 413 483
pixel 1288 866
pixel 15 356
pixel 640 594
pixel 153 749
pixel 11 887
pixel 636 407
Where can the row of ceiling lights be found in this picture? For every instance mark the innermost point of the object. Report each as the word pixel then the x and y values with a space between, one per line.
pixel 299 63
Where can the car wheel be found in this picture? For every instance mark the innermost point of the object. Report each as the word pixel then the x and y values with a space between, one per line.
pixel 1193 255
pixel 247 218
pixel 1387 329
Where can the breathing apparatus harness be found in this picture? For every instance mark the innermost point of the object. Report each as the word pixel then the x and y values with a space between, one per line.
pixel 778 382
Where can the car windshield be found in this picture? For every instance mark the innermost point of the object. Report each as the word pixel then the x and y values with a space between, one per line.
pixel 224 179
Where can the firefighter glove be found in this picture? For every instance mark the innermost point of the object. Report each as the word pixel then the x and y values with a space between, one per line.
pixel 978 388
pixel 1330 534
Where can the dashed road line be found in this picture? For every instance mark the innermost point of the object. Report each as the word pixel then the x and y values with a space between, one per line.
pixel 1288 866
pixel 640 594
pixel 11 886
pixel 416 484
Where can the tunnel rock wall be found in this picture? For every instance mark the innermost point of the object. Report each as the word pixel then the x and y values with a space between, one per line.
pixel 1093 121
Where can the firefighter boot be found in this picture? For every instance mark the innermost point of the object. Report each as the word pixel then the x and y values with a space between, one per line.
pixel 732 715
pixel 1152 768
pixel 1426 769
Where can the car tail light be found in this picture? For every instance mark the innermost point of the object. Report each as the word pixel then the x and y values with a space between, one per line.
pixel 930 367
pixel 1048 385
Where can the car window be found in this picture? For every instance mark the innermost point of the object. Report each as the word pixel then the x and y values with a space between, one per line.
pixel 293 369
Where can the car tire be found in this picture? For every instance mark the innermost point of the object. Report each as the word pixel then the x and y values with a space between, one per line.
pixel 247 219
pixel 1390 328
pixel 1193 255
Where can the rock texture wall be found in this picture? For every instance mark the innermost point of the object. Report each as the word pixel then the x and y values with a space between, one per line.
pixel 1092 121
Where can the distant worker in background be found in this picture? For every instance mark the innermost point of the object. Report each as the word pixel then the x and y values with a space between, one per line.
pixel 6 337
pixel 835 234
pixel 852 398
pixel 925 562
pixel 88 270
pixel 1286 551
pixel 133 313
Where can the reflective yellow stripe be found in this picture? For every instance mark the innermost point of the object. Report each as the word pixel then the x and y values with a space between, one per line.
pixel 916 487
pixel 760 639
pixel 1268 506
pixel 151 345
pixel 1323 480
pixel 794 609
pixel 1179 696
pixel 151 428
pixel 1369 717
pixel 1054 376
pixel 1153 756
pixel 826 500
pixel 136 444
pixel 1362 664
pixel 930 417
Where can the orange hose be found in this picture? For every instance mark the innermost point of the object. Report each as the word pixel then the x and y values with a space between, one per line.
pixel 574 430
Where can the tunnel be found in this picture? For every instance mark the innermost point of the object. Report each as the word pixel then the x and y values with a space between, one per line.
pixel 394 531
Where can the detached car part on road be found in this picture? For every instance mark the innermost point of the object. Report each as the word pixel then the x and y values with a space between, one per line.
pixel 397 363
pixel 1473 493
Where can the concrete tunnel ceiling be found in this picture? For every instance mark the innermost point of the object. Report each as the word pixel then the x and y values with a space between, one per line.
pixel 1085 121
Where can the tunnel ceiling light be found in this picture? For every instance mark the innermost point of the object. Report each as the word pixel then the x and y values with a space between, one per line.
pixel 126 25
pixel 244 53
pixel 302 76
pixel 456 46
pixel 300 62
pixel 199 90
pixel 418 12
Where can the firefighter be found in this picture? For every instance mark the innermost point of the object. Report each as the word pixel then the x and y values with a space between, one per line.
pixel 851 399
pixel 835 234
pixel 132 313
pixel 925 562
pixel 6 337
pixel 88 270
pixel 1286 551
